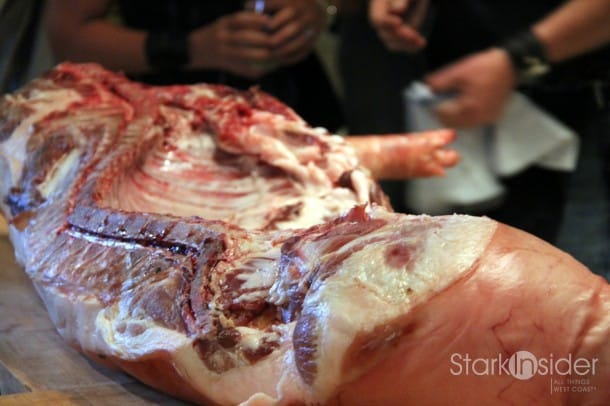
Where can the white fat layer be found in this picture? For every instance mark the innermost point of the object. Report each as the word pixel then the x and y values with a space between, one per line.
pixel 42 103
pixel 59 171
pixel 200 91
pixel 152 338
pixel 197 144
pixel 168 181
pixel 84 320
pixel 366 293
pixel 250 337
pixel 73 317
pixel 237 384
pixel 256 283
pixel 262 276
pixel 250 209
pixel 133 336
pixel 362 185
pixel 318 207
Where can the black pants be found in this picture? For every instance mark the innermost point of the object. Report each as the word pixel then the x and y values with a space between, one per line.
pixel 570 211
pixel 534 202
pixel 373 82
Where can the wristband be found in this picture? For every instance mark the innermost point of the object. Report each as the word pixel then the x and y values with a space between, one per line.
pixel 166 50
pixel 528 57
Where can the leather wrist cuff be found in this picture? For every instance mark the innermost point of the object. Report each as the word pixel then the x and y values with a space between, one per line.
pixel 528 57
pixel 166 50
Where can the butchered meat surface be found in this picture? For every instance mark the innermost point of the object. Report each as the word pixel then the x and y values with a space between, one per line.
pixel 215 246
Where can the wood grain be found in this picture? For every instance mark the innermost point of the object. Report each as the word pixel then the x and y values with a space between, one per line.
pixel 36 365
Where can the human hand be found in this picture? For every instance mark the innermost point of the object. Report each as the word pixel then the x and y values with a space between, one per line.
pixel 238 43
pixel 295 27
pixel 397 23
pixel 482 82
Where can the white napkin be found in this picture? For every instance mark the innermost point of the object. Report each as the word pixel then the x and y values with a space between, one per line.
pixel 524 136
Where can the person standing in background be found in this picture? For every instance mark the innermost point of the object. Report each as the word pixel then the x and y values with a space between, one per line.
pixel 232 42
pixel 556 53
pixel 373 79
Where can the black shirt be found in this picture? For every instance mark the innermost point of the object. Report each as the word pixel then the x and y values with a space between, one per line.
pixel 304 86
pixel 460 27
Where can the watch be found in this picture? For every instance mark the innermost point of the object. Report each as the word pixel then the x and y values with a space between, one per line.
pixel 527 56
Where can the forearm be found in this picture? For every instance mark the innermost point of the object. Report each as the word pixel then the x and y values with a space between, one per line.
pixel 575 28
pixel 79 31
pixel 115 47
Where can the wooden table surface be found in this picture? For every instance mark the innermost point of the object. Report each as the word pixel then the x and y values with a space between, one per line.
pixel 38 368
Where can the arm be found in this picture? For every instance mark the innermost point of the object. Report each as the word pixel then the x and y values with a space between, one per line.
pixel 485 80
pixel 79 31
pixel 397 23
pixel 295 28
pixel 576 28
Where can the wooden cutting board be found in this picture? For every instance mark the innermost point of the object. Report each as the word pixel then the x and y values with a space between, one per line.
pixel 36 365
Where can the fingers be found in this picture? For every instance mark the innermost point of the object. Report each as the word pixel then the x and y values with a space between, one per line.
pixel 402 38
pixel 298 52
pixel 482 82
pixel 234 44
pixel 282 18
pixel 388 18
pixel 243 30
pixel 380 12
pixel 458 111
pixel 296 47
pixel 249 39
pixel 291 37
pixel 446 79
pixel 294 30
pixel 399 6
pixel 416 13
pixel 246 20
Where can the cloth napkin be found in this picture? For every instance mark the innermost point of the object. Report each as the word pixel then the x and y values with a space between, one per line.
pixel 524 136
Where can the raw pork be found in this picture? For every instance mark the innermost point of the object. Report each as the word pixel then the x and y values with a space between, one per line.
pixel 212 244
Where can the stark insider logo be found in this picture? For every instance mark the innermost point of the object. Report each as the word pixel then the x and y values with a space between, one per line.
pixel 522 365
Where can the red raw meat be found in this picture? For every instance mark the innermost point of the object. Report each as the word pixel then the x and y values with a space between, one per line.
pixel 212 244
